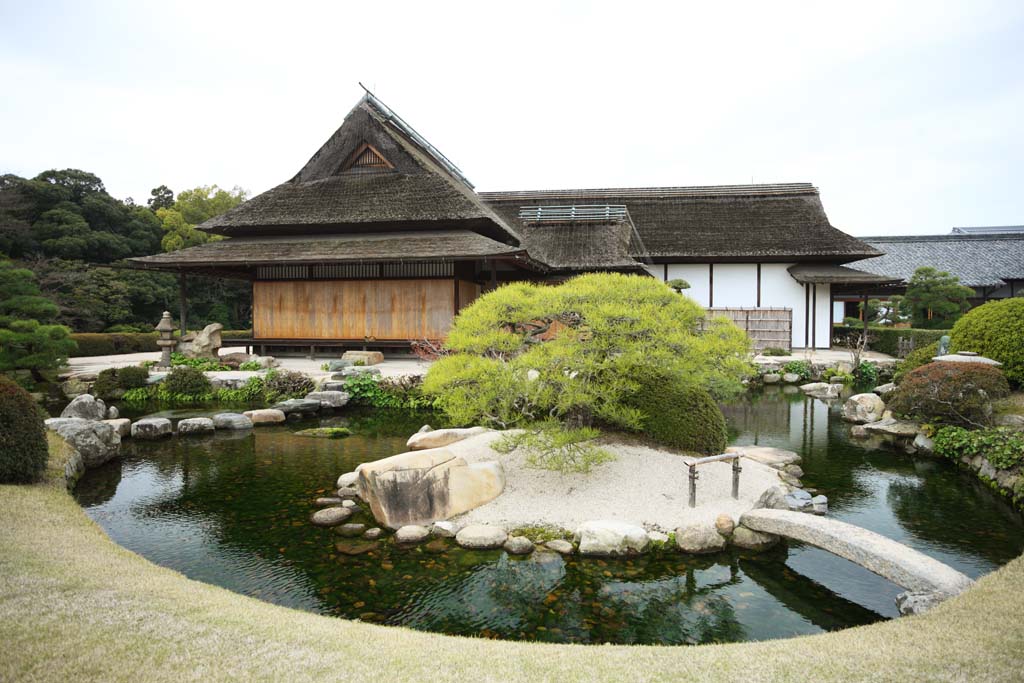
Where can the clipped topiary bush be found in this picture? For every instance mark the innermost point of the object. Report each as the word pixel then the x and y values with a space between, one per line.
pixel 105 384
pixel 23 450
pixel 995 330
pixel 916 359
pixel 185 381
pixel 681 417
pixel 955 393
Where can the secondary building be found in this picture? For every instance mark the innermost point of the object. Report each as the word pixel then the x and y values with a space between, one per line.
pixel 380 240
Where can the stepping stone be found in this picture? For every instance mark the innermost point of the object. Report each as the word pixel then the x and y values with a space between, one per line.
pixel 560 546
pixel 518 545
pixel 412 533
pixel 195 425
pixel 355 546
pixel 151 428
pixel 481 537
pixel 351 529
pixel 330 516
pixel 265 416
pixel 327 501
pixel 231 421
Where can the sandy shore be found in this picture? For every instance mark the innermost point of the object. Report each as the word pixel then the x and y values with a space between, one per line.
pixel 643 485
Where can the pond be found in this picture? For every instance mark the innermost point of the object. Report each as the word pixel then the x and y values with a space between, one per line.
pixel 233 510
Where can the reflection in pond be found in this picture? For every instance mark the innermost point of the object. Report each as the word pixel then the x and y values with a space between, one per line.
pixel 233 510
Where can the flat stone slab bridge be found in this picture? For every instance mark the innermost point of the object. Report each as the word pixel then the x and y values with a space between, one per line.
pixel 894 561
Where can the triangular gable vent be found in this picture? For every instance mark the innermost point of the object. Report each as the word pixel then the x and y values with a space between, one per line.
pixel 366 158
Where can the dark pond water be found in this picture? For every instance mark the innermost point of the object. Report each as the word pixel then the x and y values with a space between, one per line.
pixel 234 512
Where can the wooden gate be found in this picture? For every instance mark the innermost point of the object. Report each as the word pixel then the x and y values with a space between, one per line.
pixel 766 327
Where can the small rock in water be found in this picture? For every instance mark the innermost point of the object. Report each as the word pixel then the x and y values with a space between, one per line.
pixel 231 421
pixel 771 378
pixel 559 546
pixel 352 546
pixel 373 534
pixel 151 428
pixel 324 433
pixel 657 536
pixel 411 533
pixel 264 416
pixel 424 429
pixel 724 524
pixel 518 545
pixel 819 505
pixel 351 529
pixel 348 503
pixel 790 378
pixel 699 539
pixel 748 539
pixel 195 425
pixel 113 413
pixel 918 602
pixel 859 432
pixel 330 516
pixel 444 529
pixel 773 498
pixel 347 479
pixel 326 501
pixel 798 504
pixel 481 537
pixel 347 492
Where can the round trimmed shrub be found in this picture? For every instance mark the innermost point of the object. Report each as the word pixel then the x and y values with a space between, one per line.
pixel 681 417
pixel 132 377
pixel 105 384
pixel 185 381
pixel 950 392
pixel 23 450
pixel 995 330
pixel 916 359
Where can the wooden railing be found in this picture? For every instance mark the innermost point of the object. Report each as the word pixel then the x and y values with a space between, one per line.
pixel 736 469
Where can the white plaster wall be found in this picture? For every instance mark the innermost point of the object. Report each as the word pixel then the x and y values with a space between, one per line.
pixel 780 290
pixel 655 269
pixel 697 275
pixel 823 305
pixel 735 285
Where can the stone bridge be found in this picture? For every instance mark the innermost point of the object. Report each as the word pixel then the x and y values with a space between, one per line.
pixel 894 561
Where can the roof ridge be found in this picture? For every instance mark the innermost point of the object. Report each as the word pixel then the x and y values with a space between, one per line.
pixel 945 237
pixel 766 189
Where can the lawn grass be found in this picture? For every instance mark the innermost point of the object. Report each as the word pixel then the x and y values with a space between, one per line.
pixel 74 606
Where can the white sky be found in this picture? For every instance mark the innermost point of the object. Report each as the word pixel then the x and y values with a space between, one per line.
pixel 908 116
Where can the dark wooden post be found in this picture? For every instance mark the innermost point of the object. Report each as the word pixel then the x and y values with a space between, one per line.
pixel 182 301
pixel 494 277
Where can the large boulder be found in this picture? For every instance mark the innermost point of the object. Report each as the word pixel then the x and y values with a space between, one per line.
pixel 893 427
pixel 231 421
pixel 611 537
pixel 481 537
pixel 195 425
pixel 862 408
pixel 265 416
pixel 329 399
pixel 301 406
pixel 363 357
pixel 204 344
pixel 699 539
pixel 439 438
pixel 121 425
pixel 94 442
pixel 86 407
pixel 420 487
pixel 151 428
pixel 822 390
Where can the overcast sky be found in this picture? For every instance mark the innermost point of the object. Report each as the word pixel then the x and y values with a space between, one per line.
pixel 907 116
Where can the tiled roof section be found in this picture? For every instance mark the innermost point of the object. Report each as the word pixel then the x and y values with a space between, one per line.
pixel 772 222
pixel 989 230
pixel 388 246
pixel 829 273
pixel 978 260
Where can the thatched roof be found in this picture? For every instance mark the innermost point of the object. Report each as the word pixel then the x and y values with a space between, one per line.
pixel 451 245
pixel 978 260
pixel 341 189
pixel 829 273
pixel 726 223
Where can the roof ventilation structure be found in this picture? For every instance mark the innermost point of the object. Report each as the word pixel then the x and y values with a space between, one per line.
pixel 366 159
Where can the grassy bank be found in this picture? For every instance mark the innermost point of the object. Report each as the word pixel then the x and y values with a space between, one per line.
pixel 76 606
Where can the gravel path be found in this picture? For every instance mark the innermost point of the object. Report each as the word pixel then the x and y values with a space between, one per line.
pixel 642 485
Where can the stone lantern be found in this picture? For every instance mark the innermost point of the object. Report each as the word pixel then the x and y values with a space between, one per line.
pixel 165 327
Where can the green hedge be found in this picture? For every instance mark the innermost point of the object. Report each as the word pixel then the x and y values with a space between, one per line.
pixel 886 339
pixel 114 343
pixel 23 450
pixel 681 417
pixel 995 330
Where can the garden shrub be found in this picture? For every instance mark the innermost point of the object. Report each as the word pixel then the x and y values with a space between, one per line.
pixel 185 381
pixel 954 393
pixel 105 384
pixel 774 351
pixel 202 364
pixel 23 449
pixel 866 373
pixel 390 392
pixel 887 339
pixel 829 373
pixel 1002 447
pixel 995 330
pixel 798 367
pixel 284 384
pixel 250 365
pixel 132 377
pixel 100 344
pixel 551 446
pixel 916 359
pixel 526 352
pixel 682 417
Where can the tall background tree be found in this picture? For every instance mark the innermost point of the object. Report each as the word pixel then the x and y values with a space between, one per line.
pixel 64 227
pixel 28 338
pixel 935 299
